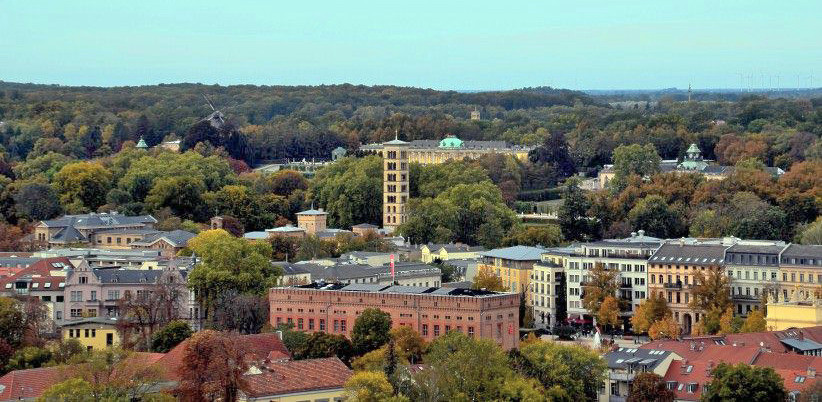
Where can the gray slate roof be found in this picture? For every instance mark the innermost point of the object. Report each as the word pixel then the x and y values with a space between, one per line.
pixel 774 249
pixel 516 253
pixel 95 220
pixel 177 238
pixel 689 254
pixel 803 251
pixel 623 358
pixel 127 275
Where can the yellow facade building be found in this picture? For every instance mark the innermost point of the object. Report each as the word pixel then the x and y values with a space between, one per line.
pixel 429 152
pixel 514 266
pixel 94 333
pixel 444 252
pixel 799 314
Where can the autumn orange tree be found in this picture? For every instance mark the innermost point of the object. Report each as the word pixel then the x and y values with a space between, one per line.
pixel 212 368
pixel 601 284
pixel 653 309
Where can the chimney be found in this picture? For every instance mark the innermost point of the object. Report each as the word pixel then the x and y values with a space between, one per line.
pixel 811 372
pixel 280 335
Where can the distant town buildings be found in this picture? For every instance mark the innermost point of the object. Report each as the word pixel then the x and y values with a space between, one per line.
pixel 431 311
pixel 693 162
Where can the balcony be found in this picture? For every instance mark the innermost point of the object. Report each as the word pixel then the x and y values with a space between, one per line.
pixel 677 285
pixel 744 297
pixel 625 285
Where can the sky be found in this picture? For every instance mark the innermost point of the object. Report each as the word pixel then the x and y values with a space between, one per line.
pixel 446 44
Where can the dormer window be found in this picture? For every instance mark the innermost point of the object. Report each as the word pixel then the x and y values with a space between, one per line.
pixel 82 279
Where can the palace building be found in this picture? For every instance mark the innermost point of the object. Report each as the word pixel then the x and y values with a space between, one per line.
pixel 429 152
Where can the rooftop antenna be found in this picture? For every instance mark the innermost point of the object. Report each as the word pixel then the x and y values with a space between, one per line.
pixel 396 134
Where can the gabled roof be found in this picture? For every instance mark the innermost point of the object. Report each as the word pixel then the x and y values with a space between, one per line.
pixel 285 377
pixel 40 272
pixel 176 238
pixel 516 253
pixel 29 384
pixel 258 347
pixel 68 235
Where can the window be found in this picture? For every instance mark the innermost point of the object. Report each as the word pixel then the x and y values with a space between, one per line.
pixel 322 325
pixel 424 329
pixel 342 325
pixel 83 279
pixel 93 295
pixel 299 323
pixel 436 330
pixel 76 312
pixel 76 295
pixel 336 326
pixel 471 331
pixel 310 324
pixel 113 295
pixel 92 312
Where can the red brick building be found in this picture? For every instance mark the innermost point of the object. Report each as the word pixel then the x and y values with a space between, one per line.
pixel 432 312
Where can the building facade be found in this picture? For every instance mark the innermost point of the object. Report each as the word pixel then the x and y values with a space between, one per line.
pixel 444 252
pixel 548 285
pixel 90 228
pixel 627 256
pixel 428 152
pixel 395 184
pixel 430 311
pixel 514 266
pixel 671 272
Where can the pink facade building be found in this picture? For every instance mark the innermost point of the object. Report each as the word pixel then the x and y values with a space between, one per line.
pixel 432 312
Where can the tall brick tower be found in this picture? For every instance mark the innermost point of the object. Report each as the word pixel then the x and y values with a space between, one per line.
pixel 394 183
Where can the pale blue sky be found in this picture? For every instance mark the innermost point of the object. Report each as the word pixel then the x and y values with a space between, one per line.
pixel 439 44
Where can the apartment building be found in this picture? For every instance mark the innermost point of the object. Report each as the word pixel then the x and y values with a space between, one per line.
pixel 431 311
pixel 548 287
pixel 45 280
pixel 628 256
pixel 753 270
pixel 800 271
pixel 98 292
pixel 671 271
pixel 513 265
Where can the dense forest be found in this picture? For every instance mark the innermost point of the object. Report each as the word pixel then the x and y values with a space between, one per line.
pixel 71 149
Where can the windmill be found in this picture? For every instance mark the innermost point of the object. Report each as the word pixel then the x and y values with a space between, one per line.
pixel 216 118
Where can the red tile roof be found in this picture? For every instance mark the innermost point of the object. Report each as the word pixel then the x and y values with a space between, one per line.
pixel 259 347
pixel 42 269
pixel 705 354
pixel 29 383
pixel 286 377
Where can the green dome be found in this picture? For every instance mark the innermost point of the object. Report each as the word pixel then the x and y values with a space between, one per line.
pixel 142 144
pixel 451 142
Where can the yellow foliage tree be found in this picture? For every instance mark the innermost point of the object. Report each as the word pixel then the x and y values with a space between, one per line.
pixel 609 311
pixel 666 328
pixel 649 311
pixel 755 322
pixel 726 322
pixel 368 386
pixel 485 279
